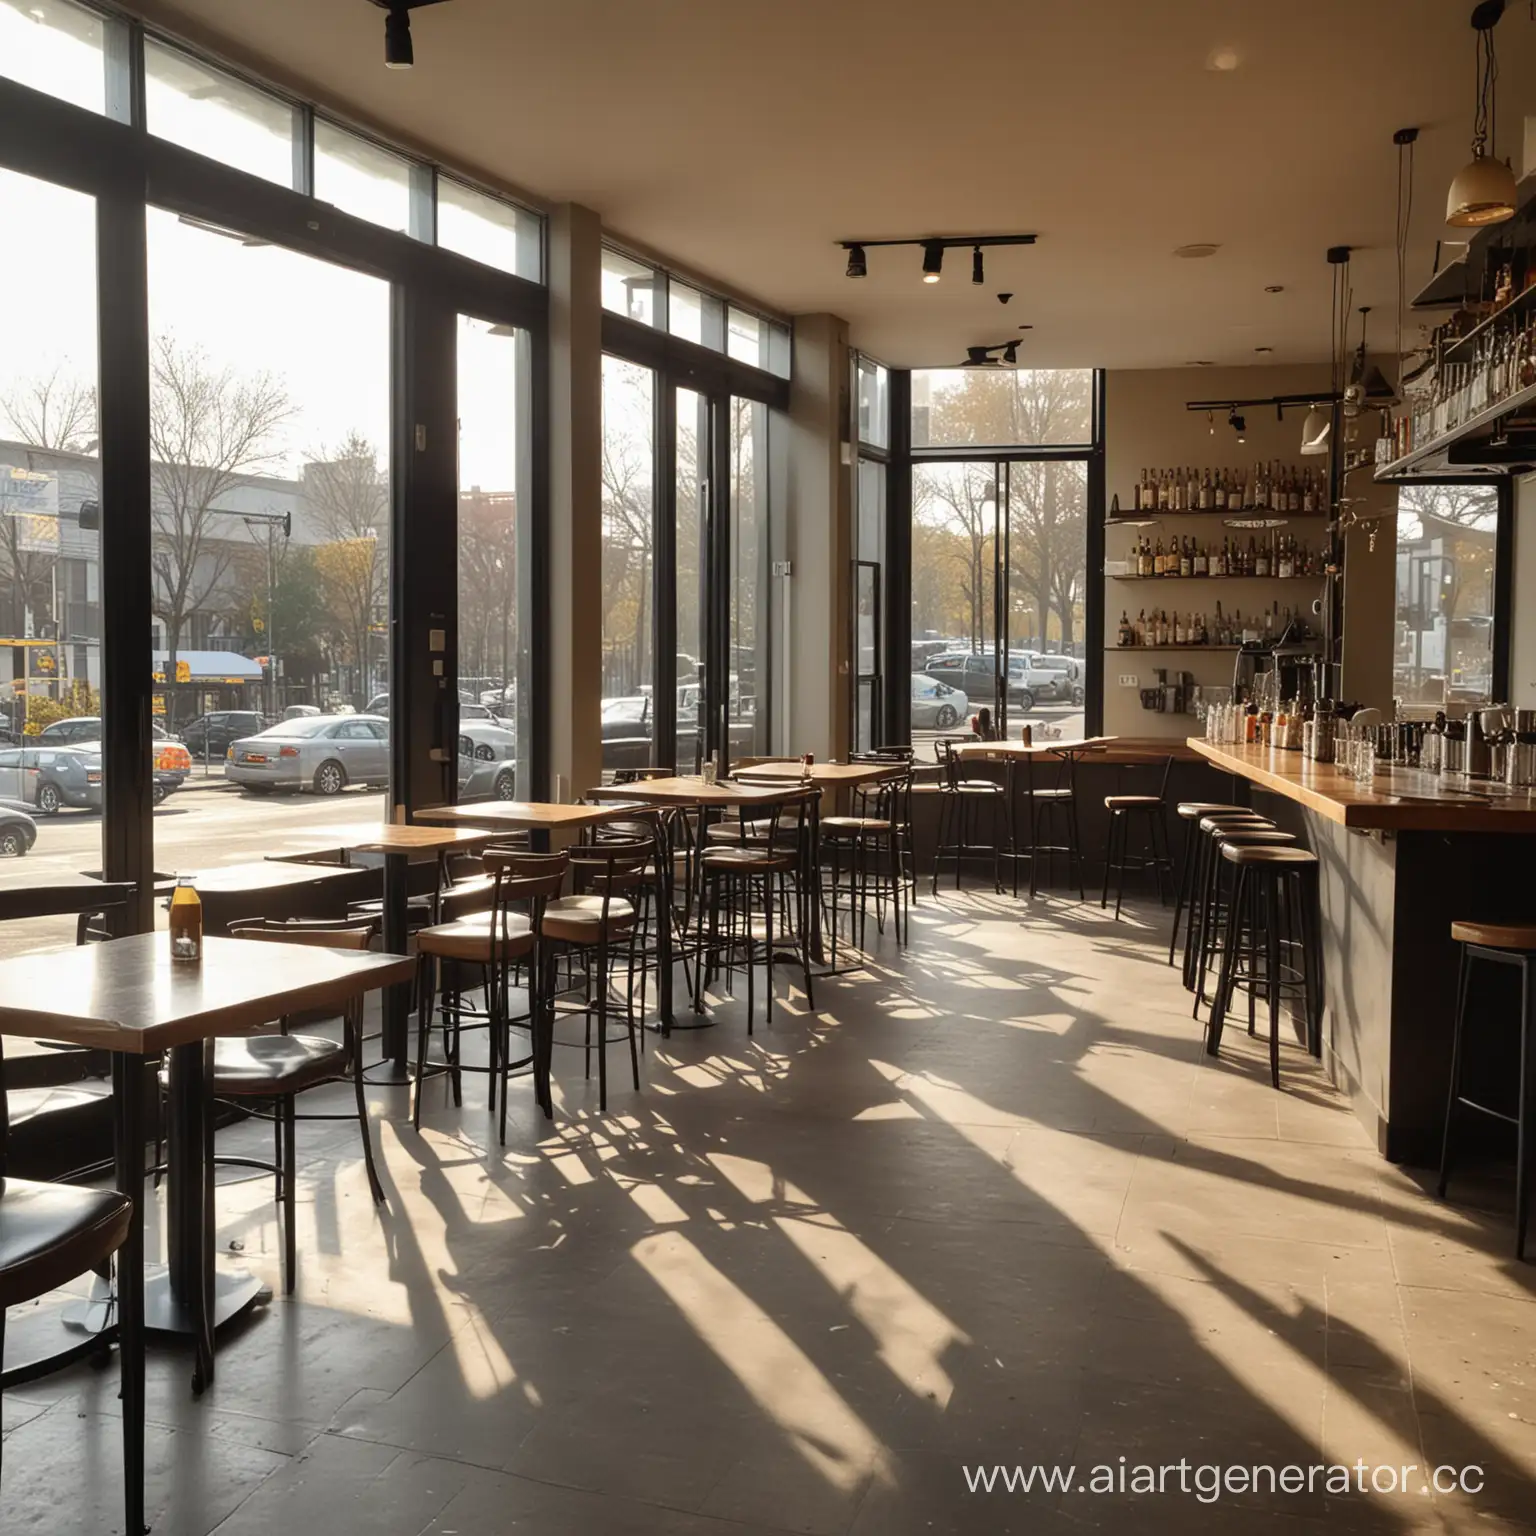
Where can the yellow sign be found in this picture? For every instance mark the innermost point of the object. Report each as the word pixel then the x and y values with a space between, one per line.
pixel 183 673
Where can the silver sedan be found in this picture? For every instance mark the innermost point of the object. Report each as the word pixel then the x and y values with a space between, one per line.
pixel 324 753
pixel 487 763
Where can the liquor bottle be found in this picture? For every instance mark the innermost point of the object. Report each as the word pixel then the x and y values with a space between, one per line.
pixel 1206 494
pixel 1286 568
pixel 1157 559
pixel 1162 492
pixel 1235 492
pixel 1144 560
pixel 1141 627
pixel 1192 491
pixel 1261 561
pixel 1187 557
pixel 186 922
pixel 1202 563
pixel 1127 634
pixel 1308 494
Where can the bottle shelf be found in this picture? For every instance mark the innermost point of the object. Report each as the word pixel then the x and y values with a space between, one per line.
pixel 1120 650
pixel 1125 519
pixel 1462 349
pixel 1430 448
pixel 1319 577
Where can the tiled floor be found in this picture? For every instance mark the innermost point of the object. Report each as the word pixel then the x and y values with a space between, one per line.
pixel 991 1205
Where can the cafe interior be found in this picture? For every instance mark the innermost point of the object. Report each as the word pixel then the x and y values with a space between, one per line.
pixel 625 908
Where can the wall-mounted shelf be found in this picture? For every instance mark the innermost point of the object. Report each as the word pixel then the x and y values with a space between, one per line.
pixel 1147 519
pixel 1319 577
pixel 1463 347
pixel 1487 417
pixel 1121 650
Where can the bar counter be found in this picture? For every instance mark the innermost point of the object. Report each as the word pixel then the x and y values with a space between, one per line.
pixel 1400 860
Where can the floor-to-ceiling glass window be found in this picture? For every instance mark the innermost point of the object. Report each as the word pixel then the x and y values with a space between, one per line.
pixel 999 546
pixel 629 539
pixel 691 566
pixel 269 425
pixel 747 555
pixel 872 386
pixel 50 563
pixel 495 722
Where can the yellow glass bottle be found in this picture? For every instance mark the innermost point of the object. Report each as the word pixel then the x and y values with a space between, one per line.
pixel 186 922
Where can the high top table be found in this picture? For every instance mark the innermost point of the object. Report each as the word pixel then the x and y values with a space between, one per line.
pixel 399 844
pixel 127 997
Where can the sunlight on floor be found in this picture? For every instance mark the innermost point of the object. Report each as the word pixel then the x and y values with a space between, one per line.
pixel 771 1368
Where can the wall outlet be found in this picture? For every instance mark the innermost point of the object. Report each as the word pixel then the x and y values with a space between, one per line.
pixel 1129 680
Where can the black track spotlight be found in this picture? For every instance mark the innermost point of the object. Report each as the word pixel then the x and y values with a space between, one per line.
pixel 933 260
pixel 1239 426
pixel 857 265
pixel 978 272
pixel 398 52
pixel 1011 353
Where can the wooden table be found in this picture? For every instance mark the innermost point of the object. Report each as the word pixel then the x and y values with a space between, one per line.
pixel 231 892
pixel 537 818
pixel 1075 747
pixel 80 897
pixel 399 844
pixel 127 997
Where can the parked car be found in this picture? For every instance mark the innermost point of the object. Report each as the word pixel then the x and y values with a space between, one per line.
pixel 975 675
pixel 170 761
pixel 935 705
pixel 300 711
pixel 1066 673
pixel 51 777
pixel 324 753
pixel 210 735
pixel 18 831
pixel 378 705
pixel 487 763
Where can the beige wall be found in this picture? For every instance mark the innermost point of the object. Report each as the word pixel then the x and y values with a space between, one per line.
pixel 814 717
pixel 1147 426
pixel 1522 635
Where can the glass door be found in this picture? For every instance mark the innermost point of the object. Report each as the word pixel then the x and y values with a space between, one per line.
pixel 693 523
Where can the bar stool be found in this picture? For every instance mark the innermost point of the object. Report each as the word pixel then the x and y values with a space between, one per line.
pixel 1149 811
pixel 868 837
pixel 1189 812
pixel 1050 810
pixel 1276 897
pixel 965 790
pixel 50 1233
pixel 1512 945
pixel 1208 901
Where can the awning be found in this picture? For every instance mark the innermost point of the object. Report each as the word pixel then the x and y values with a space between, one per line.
pixel 212 666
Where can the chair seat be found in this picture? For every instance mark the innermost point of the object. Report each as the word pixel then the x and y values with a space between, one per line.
pixel 1232 819
pixel 1054 794
pixel 49 1233
pixel 1252 837
pixel 1193 810
pixel 256 1066
pixel 1496 935
pixel 746 861
pixel 469 938
pixel 1265 853
pixel 579 919
pixel 1131 802
pixel 979 787
pixel 854 824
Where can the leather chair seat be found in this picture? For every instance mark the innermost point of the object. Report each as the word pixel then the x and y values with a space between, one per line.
pixel 1130 802
pixel 259 1066
pixel 579 919
pixel 854 824
pixel 49 1233
pixel 469 938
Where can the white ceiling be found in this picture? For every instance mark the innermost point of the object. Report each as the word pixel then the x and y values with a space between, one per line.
pixel 742 138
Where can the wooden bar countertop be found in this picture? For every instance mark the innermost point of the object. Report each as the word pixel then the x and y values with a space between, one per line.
pixel 1399 799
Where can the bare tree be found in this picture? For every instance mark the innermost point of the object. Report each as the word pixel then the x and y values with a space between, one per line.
pixel 211 430
pixel 348 496
pixel 55 410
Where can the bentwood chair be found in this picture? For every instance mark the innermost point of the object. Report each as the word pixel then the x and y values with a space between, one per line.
pixel 49 1234
pixel 279 1067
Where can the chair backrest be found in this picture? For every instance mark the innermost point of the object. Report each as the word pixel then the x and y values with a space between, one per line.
pixel 521 876
pixel 321 933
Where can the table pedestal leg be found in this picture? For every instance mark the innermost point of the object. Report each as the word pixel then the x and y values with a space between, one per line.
pixel 397 999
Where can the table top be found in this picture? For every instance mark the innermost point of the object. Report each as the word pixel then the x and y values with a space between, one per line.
pixel 264 875
pixel 128 995
pixel 523 815
pixel 689 790
pixel 1399 800
pixel 393 837
pixel 58 898
pixel 1034 748
pixel 827 775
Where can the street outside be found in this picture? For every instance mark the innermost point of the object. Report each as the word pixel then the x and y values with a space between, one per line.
pixel 1060 722
pixel 204 824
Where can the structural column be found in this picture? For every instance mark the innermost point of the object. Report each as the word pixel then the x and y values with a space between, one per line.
pixel 816 638
pixel 575 547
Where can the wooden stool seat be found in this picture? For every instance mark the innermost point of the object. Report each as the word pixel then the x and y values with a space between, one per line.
pixel 1252 837
pixel 747 861
pixel 854 824
pixel 1496 935
pixel 1130 802
pixel 579 919
pixel 1239 852
pixel 469 939
pixel 1193 810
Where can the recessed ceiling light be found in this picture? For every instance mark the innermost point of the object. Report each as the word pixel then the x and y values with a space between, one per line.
pixel 1274 288
pixel 1223 59
pixel 1198 249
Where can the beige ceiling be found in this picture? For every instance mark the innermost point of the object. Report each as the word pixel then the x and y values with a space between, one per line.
pixel 741 138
